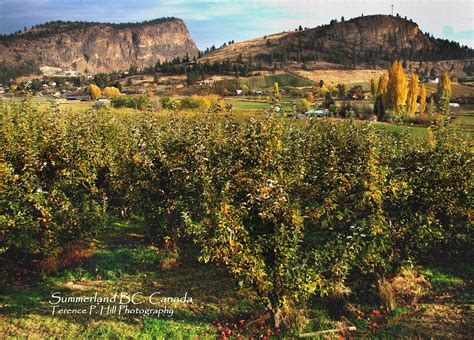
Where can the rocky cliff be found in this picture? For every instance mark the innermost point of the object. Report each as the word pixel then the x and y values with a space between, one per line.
pixel 98 47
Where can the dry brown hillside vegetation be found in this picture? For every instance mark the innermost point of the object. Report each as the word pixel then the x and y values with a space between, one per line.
pixel 366 41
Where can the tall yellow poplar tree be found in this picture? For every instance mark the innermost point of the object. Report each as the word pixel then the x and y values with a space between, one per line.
pixel 413 90
pixel 276 88
pixel 422 107
pixel 373 87
pixel 443 94
pixel 397 88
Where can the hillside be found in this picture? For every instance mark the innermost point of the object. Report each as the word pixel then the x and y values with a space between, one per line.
pixel 97 47
pixel 366 41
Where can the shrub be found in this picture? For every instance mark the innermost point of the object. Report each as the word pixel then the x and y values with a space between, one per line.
pixel 168 104
pixel 134 102
pixel 302 105
pixel 427 119
pixel 50 194
pixel 202 103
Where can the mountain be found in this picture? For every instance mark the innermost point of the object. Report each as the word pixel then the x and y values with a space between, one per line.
pixel 97 47
pixel 366 41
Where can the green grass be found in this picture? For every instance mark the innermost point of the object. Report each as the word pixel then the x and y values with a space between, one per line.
pixel 464 118
pixel 116 264
pixel 123 261
pixel 248 105
pixel 254 105
pixel 43 103
pixel 413 130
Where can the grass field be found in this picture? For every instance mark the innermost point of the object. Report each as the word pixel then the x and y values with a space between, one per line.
pixel 42 103
pixel 122 261
pixel 464 118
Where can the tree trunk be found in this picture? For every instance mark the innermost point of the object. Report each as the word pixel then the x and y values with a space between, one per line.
pixel 277 318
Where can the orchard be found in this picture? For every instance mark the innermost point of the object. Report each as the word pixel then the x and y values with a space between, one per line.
pixel 291 210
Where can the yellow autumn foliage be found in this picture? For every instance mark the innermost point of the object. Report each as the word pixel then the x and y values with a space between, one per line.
pixel 111 92
pixel 94 91
pixel 413 90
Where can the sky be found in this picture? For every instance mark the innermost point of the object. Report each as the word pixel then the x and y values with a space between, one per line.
pixel 212 22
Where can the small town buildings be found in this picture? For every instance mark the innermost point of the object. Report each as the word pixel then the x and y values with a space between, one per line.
pixel 206 82
pixel 317 113
pixel 81 98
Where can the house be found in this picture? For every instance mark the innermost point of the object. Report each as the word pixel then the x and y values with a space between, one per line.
pixel 454 105
pixel 317 113
pixel 351 94
pixel 82 98
pixel 258 93
pixel 206 82
pixel 239 92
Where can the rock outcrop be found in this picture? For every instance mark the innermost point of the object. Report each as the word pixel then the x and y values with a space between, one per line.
pixel 98 47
